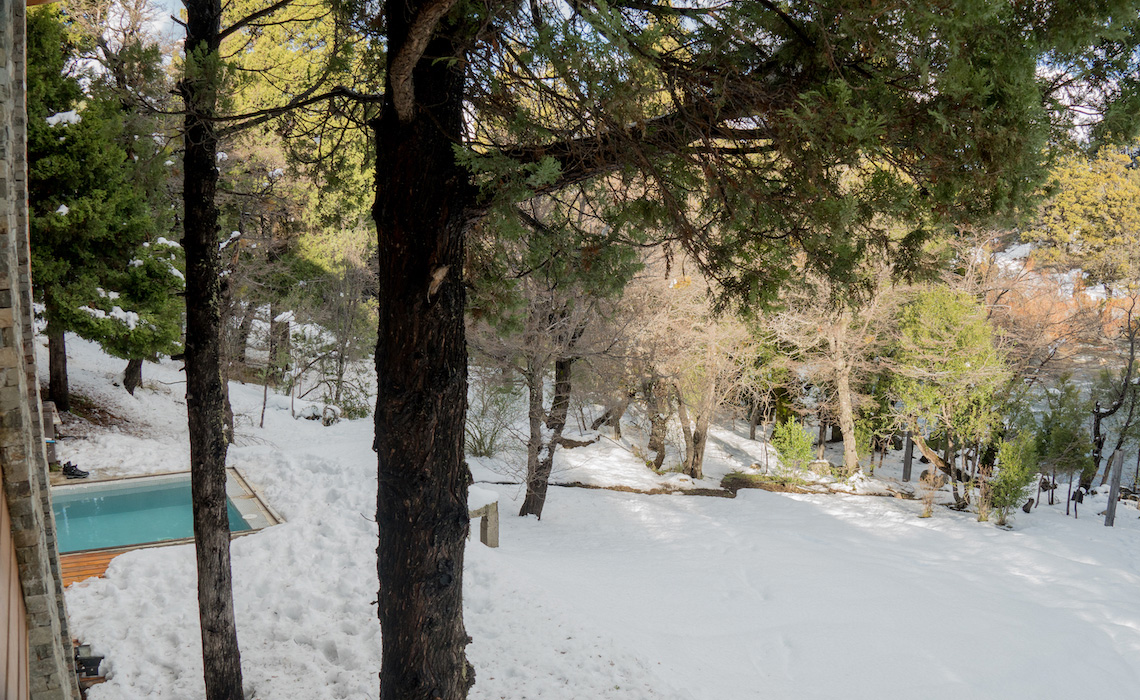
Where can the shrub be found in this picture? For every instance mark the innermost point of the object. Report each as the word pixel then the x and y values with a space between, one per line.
pixel 1017 468
pixel 490 406
pixel 794 444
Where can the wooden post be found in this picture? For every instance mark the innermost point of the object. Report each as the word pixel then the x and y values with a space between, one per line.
pixel 488 523
pixel 1116 465
pixel 908 457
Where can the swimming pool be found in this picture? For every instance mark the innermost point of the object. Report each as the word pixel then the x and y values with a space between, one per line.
pixel 143 510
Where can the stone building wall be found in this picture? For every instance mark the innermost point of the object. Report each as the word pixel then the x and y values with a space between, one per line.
pixel 23 463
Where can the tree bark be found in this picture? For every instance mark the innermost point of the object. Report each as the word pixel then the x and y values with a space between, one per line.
pixel 422 215
pixel 695 468
pixel 753 418
pixel 279 346
pixel 58 390
pixel 847 418
pixel 538 480
pixel 657 402
pixel 205 395
pixel 535 415
pixel 686 429
pixel 908 457
pixel 132 375
pixel 243 330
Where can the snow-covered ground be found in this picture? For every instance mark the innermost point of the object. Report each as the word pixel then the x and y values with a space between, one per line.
pixel 613 594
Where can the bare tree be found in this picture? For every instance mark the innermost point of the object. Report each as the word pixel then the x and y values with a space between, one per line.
pixel 837 333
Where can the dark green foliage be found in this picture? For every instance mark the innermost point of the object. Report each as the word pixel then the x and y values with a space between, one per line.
pixel 753 133
pixel 100 264
pixel 948 370
pixel 1065 445
pixel 1017 469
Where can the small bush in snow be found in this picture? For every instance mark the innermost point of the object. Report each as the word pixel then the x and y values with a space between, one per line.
pixel 489 414
pixel 1017 469
pixel 794 444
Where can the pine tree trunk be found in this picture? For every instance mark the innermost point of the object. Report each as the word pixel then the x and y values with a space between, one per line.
pixel 205 396
pixel 132 375
pixel 422 216
pixel 57 368
pixel 847 419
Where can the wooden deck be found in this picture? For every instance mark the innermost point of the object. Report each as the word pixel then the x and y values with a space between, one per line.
pixel 83 565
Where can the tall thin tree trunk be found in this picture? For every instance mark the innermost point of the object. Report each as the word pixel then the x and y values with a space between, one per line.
pixel 422 215
pixel 753 418
pixel 536 486
pixel 132 375
pixel 686 430
pixel 847 418
pixel 700 440
pixel 908 457
pixel 243 330
pixel 657 402
pixel 705 410
pixel 58 390
pixel 205 395
pixel 536 413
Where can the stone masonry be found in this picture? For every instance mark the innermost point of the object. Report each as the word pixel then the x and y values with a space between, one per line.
pixel 23 463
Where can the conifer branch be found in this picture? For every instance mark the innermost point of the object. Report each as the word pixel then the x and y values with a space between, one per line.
pixel 249 19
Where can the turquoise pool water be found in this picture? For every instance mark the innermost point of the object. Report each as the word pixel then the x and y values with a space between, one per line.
pixel 93 516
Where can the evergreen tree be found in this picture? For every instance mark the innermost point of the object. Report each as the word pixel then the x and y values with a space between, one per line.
pixel 96 270
pixel 1065 445
pixel 1092 221
pixel 947 368
pixel 733 127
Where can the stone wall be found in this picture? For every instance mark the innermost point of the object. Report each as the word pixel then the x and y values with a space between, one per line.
pixel 23 464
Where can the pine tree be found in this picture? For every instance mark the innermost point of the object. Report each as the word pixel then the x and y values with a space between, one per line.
pixel 733 127
pixel 95 270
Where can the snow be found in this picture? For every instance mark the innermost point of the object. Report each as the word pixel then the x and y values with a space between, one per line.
pixel 284 317
pixel 477 497
pixel 222 156
pixel 136 263
pixel 612 594
pixel 162 240
pixel 63 210
pixel 128 318
pixel 65 118
pixel 226 243
pixel 95 313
